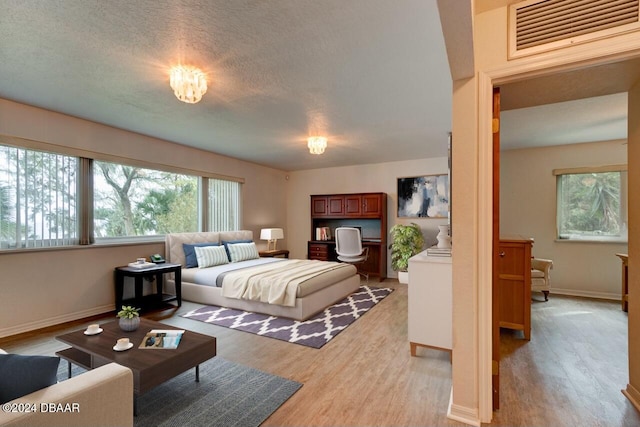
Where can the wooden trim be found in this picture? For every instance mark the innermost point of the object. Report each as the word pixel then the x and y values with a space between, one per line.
pixel 633 394
pixel 590 169
pixel 484 253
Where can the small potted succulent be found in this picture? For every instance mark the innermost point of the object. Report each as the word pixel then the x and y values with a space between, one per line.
pixel 407 242
pixel 129 318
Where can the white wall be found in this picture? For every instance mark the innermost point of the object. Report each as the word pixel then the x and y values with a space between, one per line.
pixel 43 288
pixel 380 177
pixel 472 366
pixel 528 207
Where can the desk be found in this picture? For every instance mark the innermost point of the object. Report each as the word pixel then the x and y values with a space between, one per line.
pixel 274 253
pixel 625 280
pixel 138 274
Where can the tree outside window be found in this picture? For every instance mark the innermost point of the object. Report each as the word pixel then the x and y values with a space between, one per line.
pixel 38 201
pixel 132 201
pixel 592 205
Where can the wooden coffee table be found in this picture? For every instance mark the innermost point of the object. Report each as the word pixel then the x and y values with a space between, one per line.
pixel 150 367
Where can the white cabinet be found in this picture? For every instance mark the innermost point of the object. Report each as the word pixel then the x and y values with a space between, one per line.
pixel 430 302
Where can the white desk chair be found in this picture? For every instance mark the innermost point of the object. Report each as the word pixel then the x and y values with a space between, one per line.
pixel 349 247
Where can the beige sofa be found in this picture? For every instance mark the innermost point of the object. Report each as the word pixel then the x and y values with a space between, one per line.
pixel 100 397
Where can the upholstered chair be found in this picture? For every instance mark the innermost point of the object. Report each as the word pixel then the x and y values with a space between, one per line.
pixel 540 276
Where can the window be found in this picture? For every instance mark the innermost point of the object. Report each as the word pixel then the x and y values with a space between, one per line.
pixel 49 199
pixel 38 203
pixel 592 203
pixel 132 201
pixel 224 205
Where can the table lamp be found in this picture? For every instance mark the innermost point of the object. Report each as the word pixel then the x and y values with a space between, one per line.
pixel 271 235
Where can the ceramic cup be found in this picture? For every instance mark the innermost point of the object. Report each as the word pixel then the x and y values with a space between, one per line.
pixel 122 343
pixel 141 260
pixel 92 329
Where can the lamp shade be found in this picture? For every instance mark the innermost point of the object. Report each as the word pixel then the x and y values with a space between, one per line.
pixel 271 234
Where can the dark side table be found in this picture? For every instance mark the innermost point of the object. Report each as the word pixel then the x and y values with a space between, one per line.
pixel 147 301
pixel 274 253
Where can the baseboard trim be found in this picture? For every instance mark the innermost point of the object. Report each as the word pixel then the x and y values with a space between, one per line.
pixel 586 294
pixel 52 321
pixel 462 414
pixel 633 394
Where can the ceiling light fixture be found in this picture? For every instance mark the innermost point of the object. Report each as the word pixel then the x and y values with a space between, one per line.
pixel 316 144
pixel 188 83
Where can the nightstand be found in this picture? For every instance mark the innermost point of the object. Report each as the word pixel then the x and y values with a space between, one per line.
pixel 276 253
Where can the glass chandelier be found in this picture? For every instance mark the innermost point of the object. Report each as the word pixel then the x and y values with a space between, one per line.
pixel 188 83
pixel 316 144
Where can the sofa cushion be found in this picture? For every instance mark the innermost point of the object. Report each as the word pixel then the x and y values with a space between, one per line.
pixel 210 256
pixel 21 375
pixel 190 254
pixel 243 251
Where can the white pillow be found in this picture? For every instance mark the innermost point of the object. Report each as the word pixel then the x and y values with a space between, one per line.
pixel 243 251
pixel 209 256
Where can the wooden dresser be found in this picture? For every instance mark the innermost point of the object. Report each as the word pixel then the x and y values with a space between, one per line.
pixel 368 211
pixel 514 283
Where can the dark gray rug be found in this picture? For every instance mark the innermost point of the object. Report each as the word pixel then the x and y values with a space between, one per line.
pixel 313 332
pixel 228 394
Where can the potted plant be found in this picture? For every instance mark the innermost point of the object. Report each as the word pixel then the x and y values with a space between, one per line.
pixel 129 318
pixel 407 242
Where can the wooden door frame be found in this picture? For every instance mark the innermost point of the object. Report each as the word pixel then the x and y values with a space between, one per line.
pixel 625 49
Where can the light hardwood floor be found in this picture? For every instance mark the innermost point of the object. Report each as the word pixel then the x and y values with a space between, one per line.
pixel 569 374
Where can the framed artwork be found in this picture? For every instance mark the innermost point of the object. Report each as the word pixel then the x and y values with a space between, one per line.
pixel 423 196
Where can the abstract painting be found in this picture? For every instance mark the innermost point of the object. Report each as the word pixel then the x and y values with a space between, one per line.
pixel 423 196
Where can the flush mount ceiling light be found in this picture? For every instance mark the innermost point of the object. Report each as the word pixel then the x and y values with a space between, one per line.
pixel 316 144
pixel 188 83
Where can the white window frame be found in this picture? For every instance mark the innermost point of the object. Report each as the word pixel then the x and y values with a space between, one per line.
pixel 623 236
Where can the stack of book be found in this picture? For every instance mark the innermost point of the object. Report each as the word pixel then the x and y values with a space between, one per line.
pixel 436 251
pixel 141 264
pixel 323 233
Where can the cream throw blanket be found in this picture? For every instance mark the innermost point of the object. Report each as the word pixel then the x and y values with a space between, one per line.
pixel 274 283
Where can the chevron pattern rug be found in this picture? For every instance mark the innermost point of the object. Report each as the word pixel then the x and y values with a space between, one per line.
pixel 314 332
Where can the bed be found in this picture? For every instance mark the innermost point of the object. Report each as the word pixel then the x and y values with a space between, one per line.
pixel 306 295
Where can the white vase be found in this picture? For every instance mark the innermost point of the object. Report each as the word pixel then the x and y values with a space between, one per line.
pixel 129 324
pixel 403 277
pixel 444 240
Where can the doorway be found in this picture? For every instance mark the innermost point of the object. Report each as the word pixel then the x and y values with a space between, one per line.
pixel 600 80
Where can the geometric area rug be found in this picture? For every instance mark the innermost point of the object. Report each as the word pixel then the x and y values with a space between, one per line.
pixel 228 395
pixel 313 332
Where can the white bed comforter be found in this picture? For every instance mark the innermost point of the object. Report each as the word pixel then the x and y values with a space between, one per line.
pixel 274 283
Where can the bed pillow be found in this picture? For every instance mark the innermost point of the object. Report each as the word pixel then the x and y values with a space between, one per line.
pixel 21 375
pixel 226 244
pixel 190 255
pixel 210 256
pixel 242 251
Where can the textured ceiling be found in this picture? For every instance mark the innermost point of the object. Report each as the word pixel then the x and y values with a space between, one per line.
pixel 371 75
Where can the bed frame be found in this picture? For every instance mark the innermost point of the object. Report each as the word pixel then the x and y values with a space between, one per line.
pixel 304 308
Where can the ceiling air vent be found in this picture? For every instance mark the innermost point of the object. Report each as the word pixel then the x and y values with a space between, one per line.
pixel 541 25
